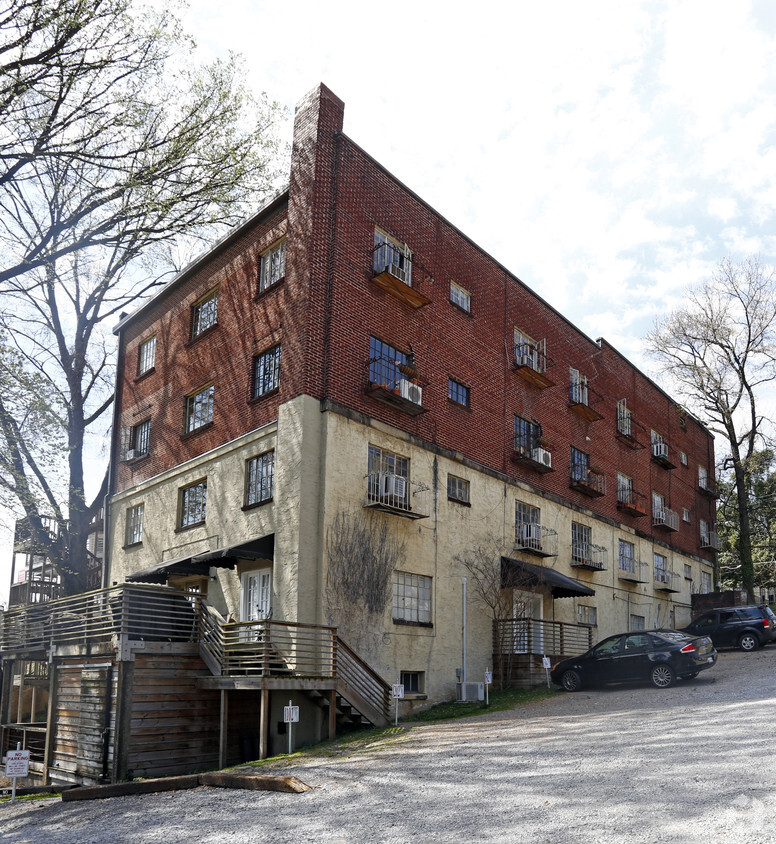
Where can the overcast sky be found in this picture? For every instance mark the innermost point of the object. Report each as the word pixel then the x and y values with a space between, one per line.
pixel 608 153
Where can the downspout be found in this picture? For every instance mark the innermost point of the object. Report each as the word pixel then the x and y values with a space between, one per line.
pixel 106 544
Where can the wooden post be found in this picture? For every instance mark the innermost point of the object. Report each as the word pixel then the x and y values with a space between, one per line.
pixel 123 728
pixel 264 724
pixel 332 714
pixel 51 720
pixel 22 666
pixel 223 728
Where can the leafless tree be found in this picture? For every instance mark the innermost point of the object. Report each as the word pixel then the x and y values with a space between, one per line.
pixel 362 554
pixel 720 348
pixel 113 144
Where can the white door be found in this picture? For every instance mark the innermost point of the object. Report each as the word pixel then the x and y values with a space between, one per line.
pixel 256 595
pixel 528 633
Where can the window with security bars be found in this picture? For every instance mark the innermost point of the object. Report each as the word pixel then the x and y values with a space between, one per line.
pixel 527 435
pixel 458 489
pixel 624 489
pixel 141 438
pixel 134 528
pixel 384 363
pixel 273 266
pixel 457 392
pixel 412 682
pixel 193 501
pixel 260 479
pixel 580 465
pixel 580 541
pixel 392 256
pixel 705 582
pixel 382 468
pixel 199 409
pixel 266 372
pixel 661 568
pixel 637 622
pixel 528 529
pixel 146 355
pixel 587 615
pixel 411 598
pixel 627 556
pixel 205 314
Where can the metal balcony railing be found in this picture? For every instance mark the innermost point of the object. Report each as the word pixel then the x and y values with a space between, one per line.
pixel 666 519
pixel 537 540
pixel 396 494
pixel 589 556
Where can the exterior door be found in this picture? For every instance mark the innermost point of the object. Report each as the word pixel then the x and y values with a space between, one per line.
pixel 257 595
pixel 527 609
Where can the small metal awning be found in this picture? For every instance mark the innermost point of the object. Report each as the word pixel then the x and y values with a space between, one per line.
pixel 256 549
pixel 520 575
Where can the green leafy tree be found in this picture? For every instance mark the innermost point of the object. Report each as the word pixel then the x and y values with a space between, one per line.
pixel 720 349
pixel 114 148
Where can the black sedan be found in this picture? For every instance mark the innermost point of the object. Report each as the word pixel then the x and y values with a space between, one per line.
pixel 658 656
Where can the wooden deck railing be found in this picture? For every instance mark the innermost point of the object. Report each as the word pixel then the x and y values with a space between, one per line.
pixel 356 674
pixel 537 636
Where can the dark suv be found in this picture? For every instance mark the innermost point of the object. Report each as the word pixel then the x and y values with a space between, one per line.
pixel 736 627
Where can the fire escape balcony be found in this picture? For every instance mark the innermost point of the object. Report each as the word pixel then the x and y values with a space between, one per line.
pixel 581 398
pixel 393 272
pixel 585 555
pixel 633 570
pixel 660 455
pixel 709 541
pixel 665 519
pixel 627 427
pixel 536 540
pixel 536 456
pixel 589 482
pixel 666 580
pixel 531 364
pixel 397 495
pixel 396 384
pixel 631 502
pixel 707 487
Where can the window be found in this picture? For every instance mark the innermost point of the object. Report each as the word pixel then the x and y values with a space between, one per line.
pixel 580 465
pixel 637 622
pixel 205 314
pixel 260 479
pixel 458 489
pixel 411 598
pixel 704 529
pixel 625 489
pixel 146 355
pixel 627 556
pixel 661 573
pixel 578 389
pixel 199 409
pixel 134 529
pixel 527 435
pixel 685 514
pixel 705 582
pixel 530 353
pixel 141 438
pixel 266 372
pixel 384 364
pixel 388 476
pixel 528 522
pixel 624 419
pixel 658 506
pixel 703 477
pixel 687 572
pixel 193 499
pixel 393 257
pixel 457 392
pixel 273 266
pixel 683 457
pixel 412 682
pixel 460 297
pixel 586 615
pixel 580 542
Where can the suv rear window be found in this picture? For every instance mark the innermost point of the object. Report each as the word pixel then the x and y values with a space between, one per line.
pixel 750 612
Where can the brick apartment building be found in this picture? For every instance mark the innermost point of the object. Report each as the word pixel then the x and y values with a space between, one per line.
pixel 347 350
pixel 315 423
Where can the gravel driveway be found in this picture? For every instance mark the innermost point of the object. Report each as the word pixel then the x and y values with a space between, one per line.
pixel 691 763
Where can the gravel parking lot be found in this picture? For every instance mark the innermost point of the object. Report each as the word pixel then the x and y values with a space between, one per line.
pixel 631 763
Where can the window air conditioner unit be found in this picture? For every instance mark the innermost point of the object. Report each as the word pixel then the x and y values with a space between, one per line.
pixel 659 450
pixel 660 515
pixel 394 486
pixel 411 392
pixel 541 455
pixel 130 454
pixel 469 692
pixel 396 271
pixel 522 359
pixel 532 535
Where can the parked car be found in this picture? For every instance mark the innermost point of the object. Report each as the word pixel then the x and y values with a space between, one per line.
pixel 657 656
pixel 736 627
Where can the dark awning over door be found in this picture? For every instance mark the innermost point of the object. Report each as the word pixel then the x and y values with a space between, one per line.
pixel 520 575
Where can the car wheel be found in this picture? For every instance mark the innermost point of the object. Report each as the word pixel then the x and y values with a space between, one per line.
pixel 748 642
pixel 662 675
pixel 571 681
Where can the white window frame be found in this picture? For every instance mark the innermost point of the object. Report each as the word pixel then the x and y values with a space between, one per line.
pixel 205 314
pixel 134 525
pixel 587 615
pixel 460 297
pixel 256 595
pixel 458 489
pixel 273 266
pixel 146 355
pixel 199 409
pixel 388 251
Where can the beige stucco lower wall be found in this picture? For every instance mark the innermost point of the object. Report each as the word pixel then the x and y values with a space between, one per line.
pixel 321 465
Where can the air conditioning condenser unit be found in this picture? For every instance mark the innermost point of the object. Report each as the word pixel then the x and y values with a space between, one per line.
pixel 469 692
pixel 410 392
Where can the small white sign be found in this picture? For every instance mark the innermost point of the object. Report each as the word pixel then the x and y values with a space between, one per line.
pixel 291 714
pixel 17 763
pixel 546 662
pixel 397 690
pixel 488 678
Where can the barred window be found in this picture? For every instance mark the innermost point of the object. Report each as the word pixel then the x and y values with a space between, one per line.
pixel 134 528
pixel 580 541
pixel 193 500
pixel 627 557
pixel 146 355
pixel 266 372
pixel 580 465
pixel 260 481
pixel 273 266
pixel 205 314
pixel 141 438
pixel 411 598
pixel 587 615
pixel 199 409
pixel 384 363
